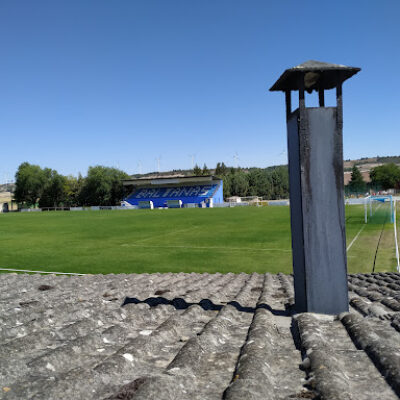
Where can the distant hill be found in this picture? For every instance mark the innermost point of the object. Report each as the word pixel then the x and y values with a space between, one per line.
pixel 176 173
pixel 365 164
pixel 9 187
pixel 370 162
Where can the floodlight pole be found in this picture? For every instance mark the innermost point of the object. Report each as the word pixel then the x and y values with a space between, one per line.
pixel 315 151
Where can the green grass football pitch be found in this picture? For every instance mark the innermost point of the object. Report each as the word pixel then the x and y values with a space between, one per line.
pixel 241 239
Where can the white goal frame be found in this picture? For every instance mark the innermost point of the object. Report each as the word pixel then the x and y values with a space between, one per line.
pixel 368 201
pixel 368 205
pixel 395 239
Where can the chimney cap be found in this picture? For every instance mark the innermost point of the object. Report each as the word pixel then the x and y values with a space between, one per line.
pixel 316 74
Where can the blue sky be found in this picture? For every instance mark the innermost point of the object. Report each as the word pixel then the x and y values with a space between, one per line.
pixel 119 83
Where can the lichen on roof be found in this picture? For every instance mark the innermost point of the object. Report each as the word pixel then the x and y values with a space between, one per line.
pixel 194 336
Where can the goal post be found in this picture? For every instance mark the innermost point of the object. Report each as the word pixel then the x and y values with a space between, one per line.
pixel 366 201
pixel 395 238
pixel 379 209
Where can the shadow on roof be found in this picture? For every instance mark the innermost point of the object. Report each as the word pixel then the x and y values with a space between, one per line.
pixel 205 304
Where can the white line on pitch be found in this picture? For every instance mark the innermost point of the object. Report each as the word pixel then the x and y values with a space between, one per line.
pixel 355 238
pixel 202 247
pixel 40 272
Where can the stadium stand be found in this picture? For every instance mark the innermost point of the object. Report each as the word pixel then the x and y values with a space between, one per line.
pixel 198 191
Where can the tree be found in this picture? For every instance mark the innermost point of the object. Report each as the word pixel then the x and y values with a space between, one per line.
pixel 386 176
pixel 103 186
pixel 259 183
pixel 29 183
pixel 53 193
pixel 221 169
pixel 205 170
pixel 227 186
pixel 218 169
pixel 271 182
pixel 72 189
pixel 279 177
pixel 118 190
pixel 240 184
pixel 197 171
pixel 357 183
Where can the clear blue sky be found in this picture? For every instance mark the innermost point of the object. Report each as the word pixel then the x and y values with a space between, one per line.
pixel 118 82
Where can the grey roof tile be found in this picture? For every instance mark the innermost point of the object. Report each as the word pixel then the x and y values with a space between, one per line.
pixel 194 336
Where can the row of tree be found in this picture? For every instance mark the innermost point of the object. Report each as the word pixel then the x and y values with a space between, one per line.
pixel 383 177
pixel 271 183
pixel 47 188
pixel 103 185
pixel 197 171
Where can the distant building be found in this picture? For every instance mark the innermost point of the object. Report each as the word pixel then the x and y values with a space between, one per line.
pixel 6 202
pixel 234 199
pixel 247 199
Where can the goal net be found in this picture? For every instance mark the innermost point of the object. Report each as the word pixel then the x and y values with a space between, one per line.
pixel 379 209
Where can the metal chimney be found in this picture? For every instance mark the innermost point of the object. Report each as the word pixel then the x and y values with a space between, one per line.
pixel 315 150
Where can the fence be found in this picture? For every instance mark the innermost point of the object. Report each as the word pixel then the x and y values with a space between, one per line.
pixel 90 208
pixel 189 205
pixel 284 202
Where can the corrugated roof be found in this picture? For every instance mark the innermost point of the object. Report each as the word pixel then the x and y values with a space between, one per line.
pixel 169 180
pixel 194 336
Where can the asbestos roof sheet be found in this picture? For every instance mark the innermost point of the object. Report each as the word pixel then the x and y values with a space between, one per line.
pixel 194 336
